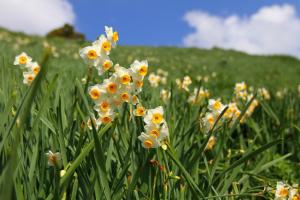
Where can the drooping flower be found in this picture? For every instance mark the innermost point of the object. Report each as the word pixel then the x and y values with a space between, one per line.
pixel 53 158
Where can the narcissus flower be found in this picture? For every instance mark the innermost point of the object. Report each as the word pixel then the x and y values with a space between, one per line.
pixel 96 92
pixel 104 44
pixel 91 55
pixel 95 122
pixel 149 141
pixel 34 67
pixel 154 80
pixel 106 117
pixel 22 59
pixel 154 116
pixel 215 105
pixel 156 129
pixel 111 85
pixel 165 95
pixel 282 191
pixel 28 77
pixel 209 120
pixel 160 131
pixel 123 75
pixel 139 68
pixel 53 158
pixel 264 93
pixel 139 111
pixel 111 35
pixel 211 143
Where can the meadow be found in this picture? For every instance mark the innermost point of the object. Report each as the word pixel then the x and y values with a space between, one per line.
pixel 222 140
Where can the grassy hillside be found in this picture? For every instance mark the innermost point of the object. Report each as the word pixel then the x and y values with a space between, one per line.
pixel 200 149
pixel 273 72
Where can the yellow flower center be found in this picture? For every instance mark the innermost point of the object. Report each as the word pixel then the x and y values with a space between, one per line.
pixel 52 159
pixel 125 79
pixel 217 105
pixel 157 118
pixel 140 111
pixel 106 119
pixel 283 192
pixel 115 36
pixel 104 106
pixel 106 46
pixel 36 69
pixel 125 96
pixel 30 78
pixel 106 65
pixel 155 132
pixel 22 60
pixel 92 54
pixel 95 93
pixel 112 88
pixel 139 83
pixel 143 70
pixel 148 143
pixel 134 99
pixel 211 120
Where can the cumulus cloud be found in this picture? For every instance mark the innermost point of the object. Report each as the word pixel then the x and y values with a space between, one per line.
pixel 35 16
pixel 271 30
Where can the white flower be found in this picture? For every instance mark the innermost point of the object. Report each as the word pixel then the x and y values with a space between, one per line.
pixel 111 35
pixel 264 93
pixel 111 85
pixel 22 59
pixel 28 77
pixel 154 80
pixel 123 74
pixel 139 68
pixel 282 191
pixel 154 116
pixel 93 120
pixel 96 92
pixel 160 131
pixel 165 95
pixel 106 117
pixel 33 67
pixel 103 44
pixel 215 105
pixel 208 121
pixel 91 55
pixel 149 141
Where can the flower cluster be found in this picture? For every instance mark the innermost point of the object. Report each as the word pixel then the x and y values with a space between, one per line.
pixel 31 69
pixel 97 55
pixel 159 78
pixel 215 108
pixel 122 86
pixel 198 95
pixel 285 191
pixel 156 129
pixel 184 83
pixel 264 93
pixel 165 95
pixel 240 90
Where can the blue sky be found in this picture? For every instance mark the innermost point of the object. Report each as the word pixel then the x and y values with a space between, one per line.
pixel 156 22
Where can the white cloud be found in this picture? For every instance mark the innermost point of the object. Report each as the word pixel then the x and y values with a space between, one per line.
pixel 271 30
pixel 35 16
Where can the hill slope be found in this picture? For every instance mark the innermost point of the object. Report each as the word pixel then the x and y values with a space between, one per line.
pixel 273 72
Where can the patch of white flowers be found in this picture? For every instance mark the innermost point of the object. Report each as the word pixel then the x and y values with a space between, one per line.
pixel 122 86
pixel 30 69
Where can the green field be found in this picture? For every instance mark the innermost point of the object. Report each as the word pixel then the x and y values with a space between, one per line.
pixel 246 162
